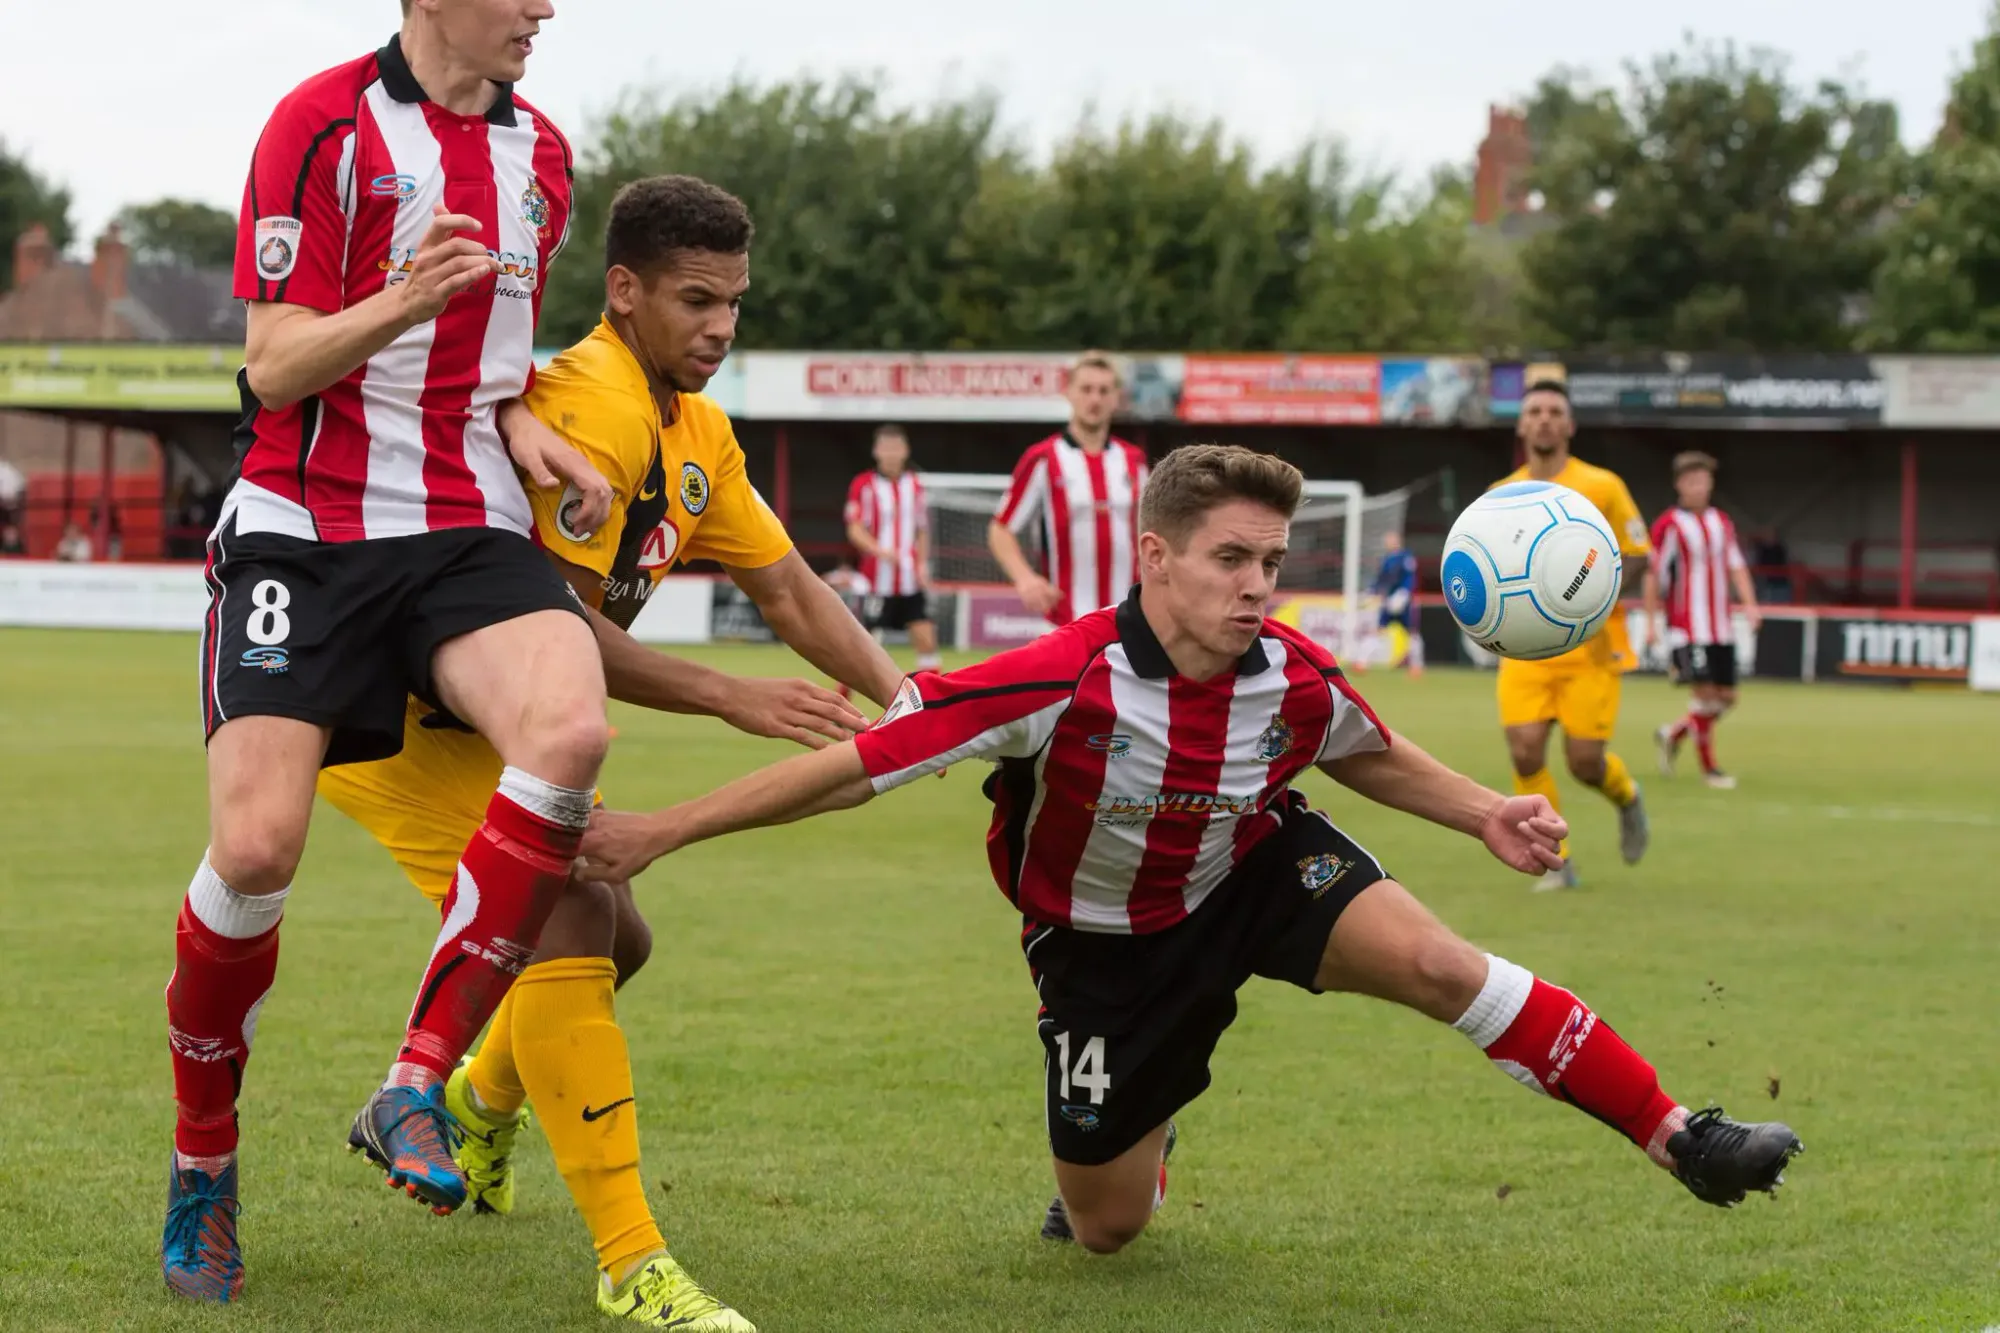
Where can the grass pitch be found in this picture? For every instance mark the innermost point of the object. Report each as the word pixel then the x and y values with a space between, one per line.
pixel 839 1077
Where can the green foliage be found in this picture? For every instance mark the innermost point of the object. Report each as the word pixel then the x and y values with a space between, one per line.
pixel 1938 289
pixel 180 231
pixel 902 228
pixel 1714 206
pixel 26 197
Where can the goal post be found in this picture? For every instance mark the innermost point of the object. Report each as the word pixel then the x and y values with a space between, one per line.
pixel 1336 546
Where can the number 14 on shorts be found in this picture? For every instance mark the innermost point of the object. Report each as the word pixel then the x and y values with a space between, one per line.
pixel 1090 1072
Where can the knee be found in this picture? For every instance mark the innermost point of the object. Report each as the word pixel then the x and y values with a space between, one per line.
pixel 571 739
pixel 1449 974
pixel 255 860
pixel 633 945
pixel 1587 768
pixel 1101 1234
pixel 1527 759
pixel 582 925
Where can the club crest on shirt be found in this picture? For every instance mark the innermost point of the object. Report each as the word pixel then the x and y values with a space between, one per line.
pixel 535 209
pixel 694 488
pixel 1276 741
pixel 277 240
pixel 1322 872
pixel 572 500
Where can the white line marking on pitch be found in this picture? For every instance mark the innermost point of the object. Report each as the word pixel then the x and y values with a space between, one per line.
pixel 1887 815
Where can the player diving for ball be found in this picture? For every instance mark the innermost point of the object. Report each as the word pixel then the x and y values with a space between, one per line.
pixel 628 396
pixel 1579 690
pixel 1146 827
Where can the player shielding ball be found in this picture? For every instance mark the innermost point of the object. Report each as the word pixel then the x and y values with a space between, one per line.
pixel 1145 825
pixel 1697 561
pixel 1080 491
pixel 628 396
pixel 1579 690
pixel 888 526
pixel 375 545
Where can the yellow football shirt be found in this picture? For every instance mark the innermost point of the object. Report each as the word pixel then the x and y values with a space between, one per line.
pixel 679 488
pixel 1612 648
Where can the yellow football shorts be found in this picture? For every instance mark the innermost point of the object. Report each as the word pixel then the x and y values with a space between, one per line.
pixel 424 804
pixel 1582 700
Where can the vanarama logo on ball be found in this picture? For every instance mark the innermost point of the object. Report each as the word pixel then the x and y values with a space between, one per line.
pixel 1576 584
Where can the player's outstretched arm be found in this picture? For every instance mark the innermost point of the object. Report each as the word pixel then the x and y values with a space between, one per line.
pixel 786 710
pixel 552 463
pixel 809 617
pixel 620 845
pixel 1525 832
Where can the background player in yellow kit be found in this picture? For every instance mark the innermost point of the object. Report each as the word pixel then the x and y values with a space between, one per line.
pixel 627 396
pixel 1579 690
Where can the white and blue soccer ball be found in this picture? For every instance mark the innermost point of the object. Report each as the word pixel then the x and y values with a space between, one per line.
pixel 1531 570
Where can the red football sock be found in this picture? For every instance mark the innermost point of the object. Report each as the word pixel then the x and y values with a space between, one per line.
pixel 508 881
pixel 225 959
pixel 1680 730
pixel 1550 1041
pixel 1704 739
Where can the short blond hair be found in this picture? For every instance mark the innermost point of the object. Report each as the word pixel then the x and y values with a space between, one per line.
pixel 1097 361
pixel 1693 460
pixel 1197 478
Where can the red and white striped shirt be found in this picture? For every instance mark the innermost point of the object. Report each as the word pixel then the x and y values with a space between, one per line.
pixel 1088 506
pixel 1125 792
pixel 1694 554
pixel 892 511
pixel 340 195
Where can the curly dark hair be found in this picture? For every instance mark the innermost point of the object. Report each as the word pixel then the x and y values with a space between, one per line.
pixel 653 218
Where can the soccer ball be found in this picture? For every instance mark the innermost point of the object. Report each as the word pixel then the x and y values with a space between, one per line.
pixel 1531 570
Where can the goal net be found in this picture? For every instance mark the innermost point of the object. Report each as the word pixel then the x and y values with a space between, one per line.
pixel 1336 548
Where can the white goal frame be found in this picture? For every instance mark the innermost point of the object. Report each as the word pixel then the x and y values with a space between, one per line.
pixel 1348 495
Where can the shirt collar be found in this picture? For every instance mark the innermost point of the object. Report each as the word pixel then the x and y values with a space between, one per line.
pixel 401 84
pixel 1150 661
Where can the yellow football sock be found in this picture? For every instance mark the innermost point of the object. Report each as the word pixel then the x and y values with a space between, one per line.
pixel 495 1081
pixel 574 1064
pixel 1618 784
pixel 1539 783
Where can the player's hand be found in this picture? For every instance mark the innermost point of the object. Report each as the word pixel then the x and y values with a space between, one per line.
pixel 550 462
pixel 1038 594
pixel 1525 833
pixel 1753 616
pixel 619 844
pixel 446 263
pixel 792 710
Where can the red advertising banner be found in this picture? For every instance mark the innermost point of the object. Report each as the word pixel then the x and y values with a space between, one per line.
pixel 1279 389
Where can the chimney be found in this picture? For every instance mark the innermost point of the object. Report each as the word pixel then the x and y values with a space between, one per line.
pixel 34 254
pixel 1500 178
pixel 108 269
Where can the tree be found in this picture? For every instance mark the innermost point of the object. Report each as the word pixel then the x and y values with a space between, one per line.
pixel 180 231
pixel 1714 207
pixel 857 205
pixel 25 199
pixel 1938 287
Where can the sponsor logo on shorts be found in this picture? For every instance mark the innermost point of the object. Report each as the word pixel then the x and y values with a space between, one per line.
pixel 1082 1117
pixel 399 188
pixel 694 488
pixel 1127 811
pixel 277 241
pixel 274 661
pixel 1113 745
pixel 1276 741
pixel 1575 1030
pixel 1322 872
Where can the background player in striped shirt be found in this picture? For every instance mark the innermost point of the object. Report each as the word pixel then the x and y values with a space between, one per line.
pixel 1145 825
pixel 399 213
pixel 1396 586
pixel 628 396
pixel 888 526
pixel 1696 562
pixel 1079 492
pixel 1580 690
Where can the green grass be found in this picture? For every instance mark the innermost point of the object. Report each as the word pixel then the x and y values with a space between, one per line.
pixel 840 1080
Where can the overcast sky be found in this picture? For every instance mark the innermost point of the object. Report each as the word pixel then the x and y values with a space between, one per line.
pixel 127 100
